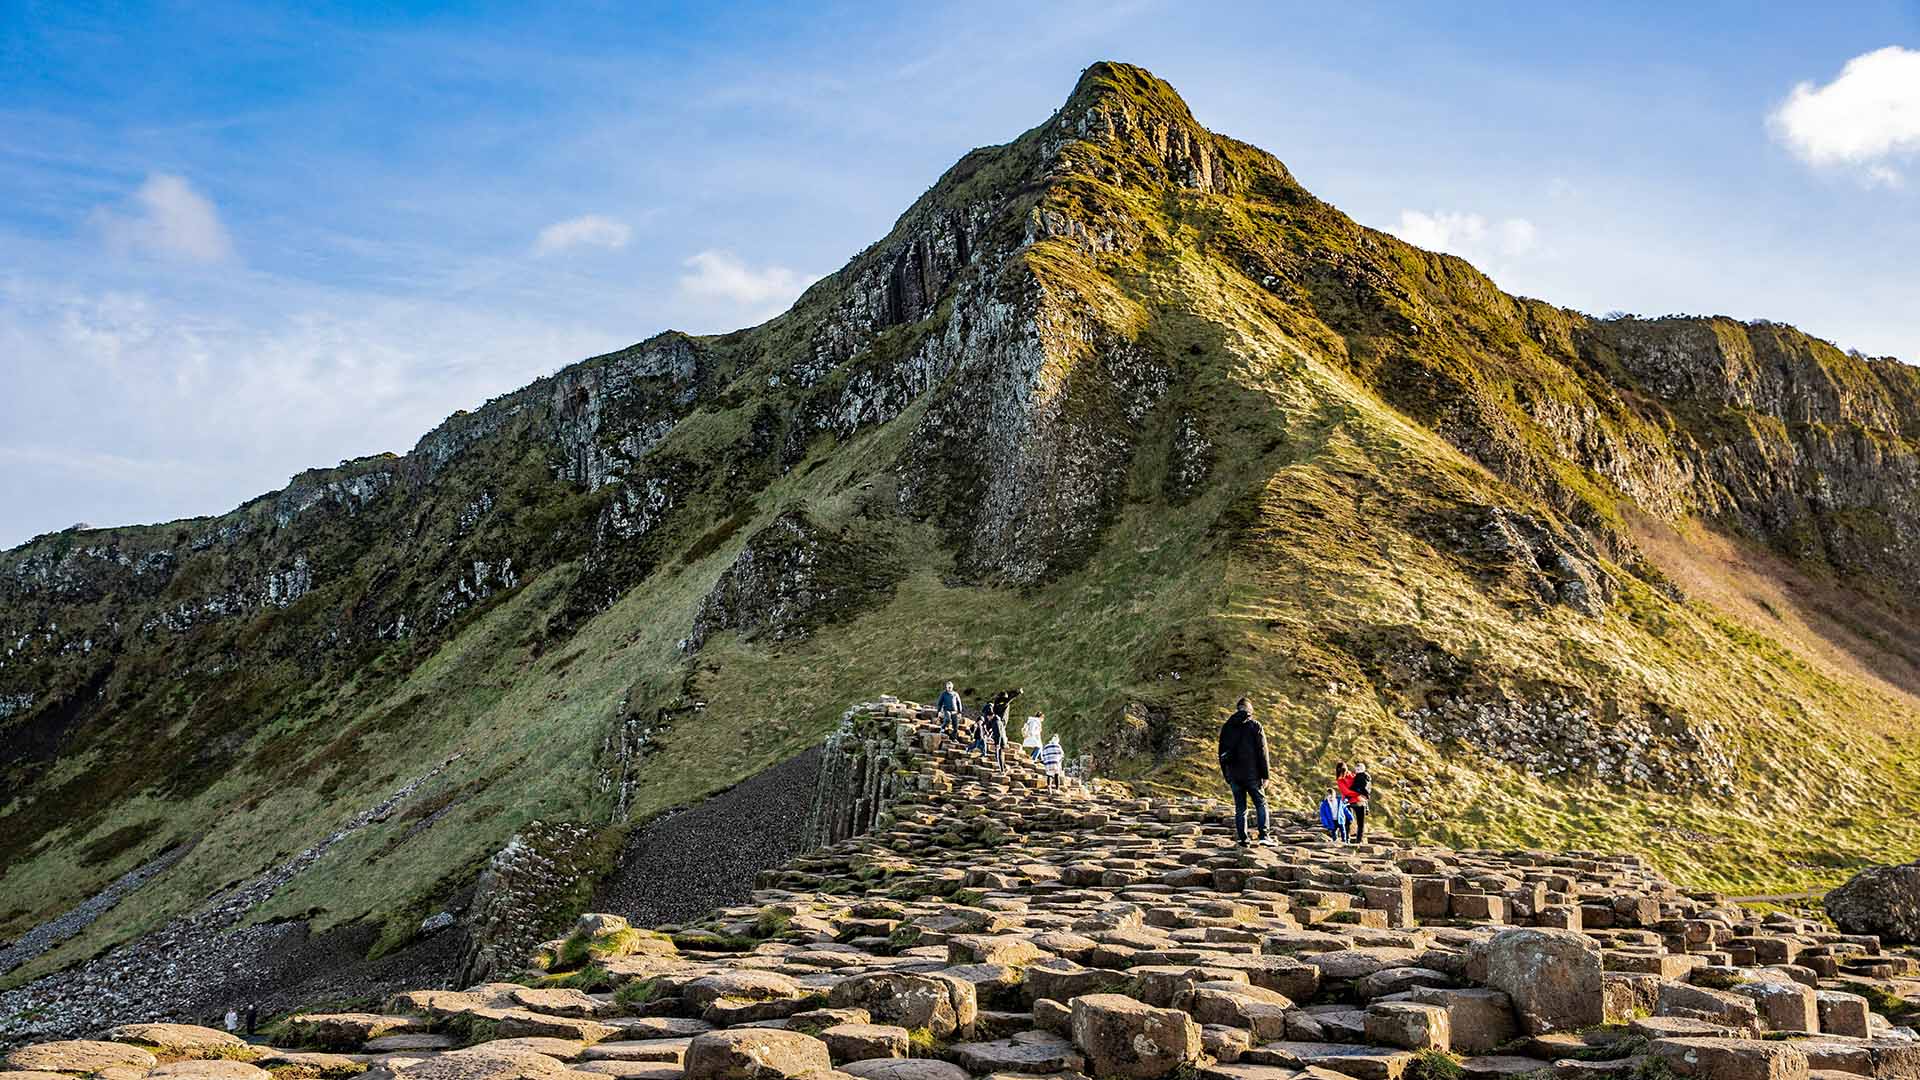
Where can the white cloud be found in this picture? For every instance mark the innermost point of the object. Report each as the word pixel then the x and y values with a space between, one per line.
pixel 1469 236
pixel 167 217
pixel 762 292
pixel 1864 118
pixel 588 230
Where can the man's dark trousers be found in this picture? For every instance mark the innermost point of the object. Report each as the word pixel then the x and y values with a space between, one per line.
pixel 1241 793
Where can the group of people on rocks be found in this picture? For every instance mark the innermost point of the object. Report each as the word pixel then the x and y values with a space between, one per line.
pixel 990 732
pixel 1243 764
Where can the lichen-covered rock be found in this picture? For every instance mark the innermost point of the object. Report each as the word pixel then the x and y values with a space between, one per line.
pixel 756 1054
pixel 1883 900
pixel 1127 1038
pixel 1553 977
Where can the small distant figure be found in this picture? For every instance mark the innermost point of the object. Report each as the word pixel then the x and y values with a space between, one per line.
pixel 1053 760
pixel 949 707
pixel 233 1021
pixel 997 731
pixel 1361 785
pixel 1243 764
pixel 1030 735
pixel 253 1017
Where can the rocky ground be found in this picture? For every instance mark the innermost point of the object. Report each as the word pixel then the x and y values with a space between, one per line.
pixel 686 863
pixel 987 928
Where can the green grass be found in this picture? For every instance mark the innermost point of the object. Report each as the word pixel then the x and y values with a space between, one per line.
pixel 1435 1065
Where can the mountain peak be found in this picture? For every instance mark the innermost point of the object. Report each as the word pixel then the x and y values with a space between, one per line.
pixel 1109 81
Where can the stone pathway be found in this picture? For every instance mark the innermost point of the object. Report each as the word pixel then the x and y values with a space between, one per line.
pixel 987 928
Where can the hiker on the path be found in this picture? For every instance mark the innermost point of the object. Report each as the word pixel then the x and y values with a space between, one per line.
pixel 997 731
pixel 1343 787
pixel 253 1016
pixel 1361 783
pixel 1031 735
pixel 949 706
pixel 982 729
pixel 233 1021
pixel 1243 762
pixel 1053 759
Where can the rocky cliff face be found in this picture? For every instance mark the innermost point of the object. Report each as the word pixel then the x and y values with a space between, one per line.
pixel 1117 411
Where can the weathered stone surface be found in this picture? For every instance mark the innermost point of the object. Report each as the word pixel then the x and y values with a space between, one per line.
pixel 1731 1059
pixel 1409 1025
pixel 756 1054
pixel 1026 1053
pixel 1127 1038
pixel 858 1042
pixel 176 1038
pixel 904 1069
pixel 1478 1019
pixel 211 1069
pixel 1553 977
pixel 78 1056
pixel 910 1000
pixel 485 1063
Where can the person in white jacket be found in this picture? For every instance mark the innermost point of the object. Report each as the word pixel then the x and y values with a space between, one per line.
pixel 1030 735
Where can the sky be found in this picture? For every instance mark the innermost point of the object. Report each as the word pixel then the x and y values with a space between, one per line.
pixel 238 240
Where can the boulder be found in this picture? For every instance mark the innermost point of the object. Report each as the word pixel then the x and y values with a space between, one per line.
pixel 1127 1038
pixel 756 1054
pixel 1883 900
pixel 1553 977
pixel 912 1000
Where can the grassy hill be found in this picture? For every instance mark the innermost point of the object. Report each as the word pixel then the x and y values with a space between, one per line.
pixel 1117 412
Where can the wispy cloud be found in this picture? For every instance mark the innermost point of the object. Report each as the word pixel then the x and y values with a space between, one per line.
pixel 167 217
pixel 588 230
pixel 758 292
pixel 1467 235
pixel 1865 119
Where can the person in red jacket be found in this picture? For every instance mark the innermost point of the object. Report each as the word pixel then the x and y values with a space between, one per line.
pixel 1343 783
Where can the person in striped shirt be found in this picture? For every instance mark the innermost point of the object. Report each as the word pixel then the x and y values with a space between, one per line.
pixel 1053 758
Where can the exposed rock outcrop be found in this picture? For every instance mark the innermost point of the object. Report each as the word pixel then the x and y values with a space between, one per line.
pixel 1883 900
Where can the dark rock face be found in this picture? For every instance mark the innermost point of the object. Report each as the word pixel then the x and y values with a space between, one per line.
pixel 791 578
pixel 527 893
pixel 1884 900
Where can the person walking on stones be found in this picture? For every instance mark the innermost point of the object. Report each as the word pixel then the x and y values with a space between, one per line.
pixel 1362 782
pixel 253 1017
pixel 1053 759
pixel 997 731
pixel 949 708
pixel 233 1021
pixel 1243 763
pixel 1030 735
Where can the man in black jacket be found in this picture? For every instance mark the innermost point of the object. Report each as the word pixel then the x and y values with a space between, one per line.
pixel 1243 762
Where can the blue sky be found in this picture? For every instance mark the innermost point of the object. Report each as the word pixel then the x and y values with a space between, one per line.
pixel 238 241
